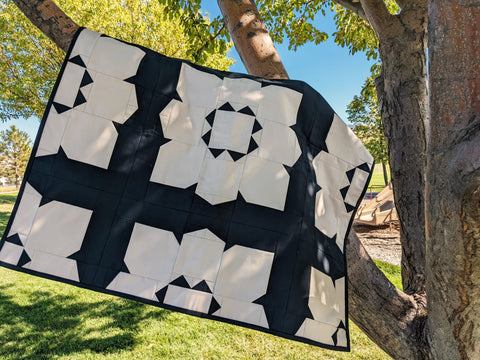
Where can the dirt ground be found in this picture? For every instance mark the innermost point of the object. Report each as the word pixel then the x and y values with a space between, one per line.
pixel 381 242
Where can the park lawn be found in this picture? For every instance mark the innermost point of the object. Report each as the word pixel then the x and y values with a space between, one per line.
pixel 43 319
pixel 377 182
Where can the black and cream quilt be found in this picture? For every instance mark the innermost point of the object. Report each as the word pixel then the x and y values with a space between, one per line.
pixel 212 193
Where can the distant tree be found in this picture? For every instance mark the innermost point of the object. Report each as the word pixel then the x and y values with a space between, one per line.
pixel 364 113
pixel 15 148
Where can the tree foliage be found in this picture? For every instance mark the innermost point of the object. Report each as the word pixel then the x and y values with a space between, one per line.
pixel 299 22
pixel 15 148
pixel 205 36
pixel 29 61
pixel 364 114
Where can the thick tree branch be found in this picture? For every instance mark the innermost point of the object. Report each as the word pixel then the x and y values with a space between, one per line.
pixel 393 319
pixel 403 98
pixel 251 39
pixel 379 17
pixel 52 21
pixel 355 6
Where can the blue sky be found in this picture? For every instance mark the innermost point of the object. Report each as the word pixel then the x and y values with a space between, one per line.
pixel 327 67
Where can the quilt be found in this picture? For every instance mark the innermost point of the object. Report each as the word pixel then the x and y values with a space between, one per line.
pixel 217 194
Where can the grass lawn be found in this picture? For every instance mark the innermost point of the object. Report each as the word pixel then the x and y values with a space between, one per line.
pixel 377 180
pixel 43 319
pixel 8 188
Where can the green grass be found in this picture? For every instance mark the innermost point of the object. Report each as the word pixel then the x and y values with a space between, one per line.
pixel 6 205
pixel 43 319
pixel 392 273
pixel 377 179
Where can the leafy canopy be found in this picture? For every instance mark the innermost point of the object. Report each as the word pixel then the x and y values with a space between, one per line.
pixel 15 148
pixel 299 22
pixel 29 61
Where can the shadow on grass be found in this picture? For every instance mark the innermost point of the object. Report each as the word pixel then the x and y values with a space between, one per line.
pixel 43 324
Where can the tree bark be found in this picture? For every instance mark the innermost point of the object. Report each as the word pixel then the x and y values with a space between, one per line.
pixel 251 39
pixel 404 109
pixel 395 321
pixel 453 180
pixel 385 173
pixel 52 21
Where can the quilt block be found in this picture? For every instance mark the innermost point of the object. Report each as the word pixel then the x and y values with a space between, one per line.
pixel 217 194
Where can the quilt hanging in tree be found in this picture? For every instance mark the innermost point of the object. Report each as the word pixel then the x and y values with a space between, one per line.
pixel 212 193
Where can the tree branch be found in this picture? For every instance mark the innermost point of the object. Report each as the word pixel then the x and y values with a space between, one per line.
pixel 353 5
pixel 391 318
pixel 50 19
pixel 378 16
pixel 251 39
pixel 210 40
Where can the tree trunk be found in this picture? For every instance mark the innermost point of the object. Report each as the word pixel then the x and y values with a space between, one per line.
pixel 385 173
pixel 251 39
pixel 453 180
pixel 52 21
pixel 404 107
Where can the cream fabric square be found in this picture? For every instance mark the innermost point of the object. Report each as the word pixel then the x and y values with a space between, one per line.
pixel 89 139
pixel 68 88
pixel 356 154
pixel 52 265
pixel 109 98
pixel 134 285
pixel 279 104
pixel 151 252
pixel 114 58
pixel 53 132
pixel 85 43
pixel 26 212
pixel 279 143
pixel 242 311
pixel 199 257
pixel 244 91
pixel 192 84
pixel 231 130
pixel 264 183
pixel 10 253
pixel 185 123
pixel 244 273
pixel 220 178
pixel 178 164
pixel 58 228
